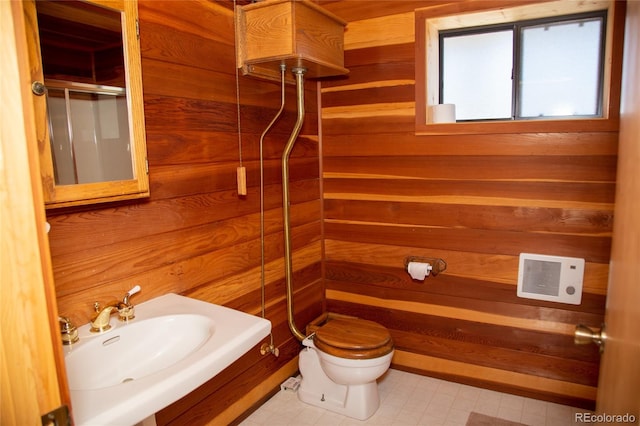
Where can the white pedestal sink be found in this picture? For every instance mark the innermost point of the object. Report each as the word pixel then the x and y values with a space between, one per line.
pixel 173 345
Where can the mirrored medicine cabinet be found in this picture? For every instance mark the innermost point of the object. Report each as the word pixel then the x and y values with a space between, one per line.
pixel 84 60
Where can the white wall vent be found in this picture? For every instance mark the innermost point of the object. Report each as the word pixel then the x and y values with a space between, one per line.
pixel 550 278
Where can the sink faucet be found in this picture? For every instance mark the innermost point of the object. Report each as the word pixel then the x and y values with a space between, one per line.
pixel 68 331
pixel 100 322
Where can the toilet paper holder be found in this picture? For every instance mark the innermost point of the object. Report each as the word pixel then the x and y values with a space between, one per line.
pixel 437 265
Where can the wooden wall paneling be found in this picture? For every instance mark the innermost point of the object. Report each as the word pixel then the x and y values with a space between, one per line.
pixel 353 10
pixel 384 30
pixel 210 21
pixel 576 144
pixel 191 260
pixel 372 189
pixel 467 264
pixel 394 66
pixel 524 351
pixel 164 216
pixel 455 291
pixel 471 213
pixel 205 178
pixel 214 397
pixel 593 249
pixel 469 167
pixel 559 391
pixel 309 266
pixel 172 148
pixel 475 200
pixel 194 235
pixel 477 306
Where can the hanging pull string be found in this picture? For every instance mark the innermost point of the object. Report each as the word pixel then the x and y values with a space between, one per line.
pixel 241 171
pixel 242 190
pixel 271 348
pixel 235 31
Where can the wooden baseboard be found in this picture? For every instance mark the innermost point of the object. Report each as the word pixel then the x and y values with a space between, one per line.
pixel 492 378
pixel 243 407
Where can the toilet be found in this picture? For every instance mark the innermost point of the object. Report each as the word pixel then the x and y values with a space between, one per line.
pixel 340 364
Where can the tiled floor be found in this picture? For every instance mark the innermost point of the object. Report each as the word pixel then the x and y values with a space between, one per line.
pixel 410 399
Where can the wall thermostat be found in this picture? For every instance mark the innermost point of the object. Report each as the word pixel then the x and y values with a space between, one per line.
pixel 550 278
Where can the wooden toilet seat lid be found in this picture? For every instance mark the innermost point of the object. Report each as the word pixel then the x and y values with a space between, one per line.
pixel 353 338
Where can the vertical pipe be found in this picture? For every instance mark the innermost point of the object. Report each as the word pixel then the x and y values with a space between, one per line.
pixel 264 133
pixel 267 348
pixel 288 267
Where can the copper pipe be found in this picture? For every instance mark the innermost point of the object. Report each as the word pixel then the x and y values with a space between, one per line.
pixel 288 267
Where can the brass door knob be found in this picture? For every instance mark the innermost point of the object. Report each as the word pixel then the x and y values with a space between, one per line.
pixel 584 335
pixel 38 88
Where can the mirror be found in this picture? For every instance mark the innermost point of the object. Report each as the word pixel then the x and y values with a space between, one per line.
pixel 88 132
pixel 85 65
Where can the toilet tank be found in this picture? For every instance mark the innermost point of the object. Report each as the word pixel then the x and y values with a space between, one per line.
pixel 297 33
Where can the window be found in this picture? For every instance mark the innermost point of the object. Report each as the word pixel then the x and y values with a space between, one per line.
pixel 525 70
pixel 514 36
pixel 486 92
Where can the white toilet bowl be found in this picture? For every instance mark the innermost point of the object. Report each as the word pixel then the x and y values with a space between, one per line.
pixel 343 385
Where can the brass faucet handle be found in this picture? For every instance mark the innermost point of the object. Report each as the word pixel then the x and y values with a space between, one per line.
pixel 130 293
pixel 68 331
pixel 125 308
pixel 126 313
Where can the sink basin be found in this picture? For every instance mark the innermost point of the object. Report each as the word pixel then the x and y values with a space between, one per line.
pixel 173 345
pixel 135 351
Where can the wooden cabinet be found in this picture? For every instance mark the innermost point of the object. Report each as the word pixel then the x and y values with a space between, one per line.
pixel 293 33
pixel 88 100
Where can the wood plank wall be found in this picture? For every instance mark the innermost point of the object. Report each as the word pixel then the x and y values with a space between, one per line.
pixel 477 201
pixel 195 236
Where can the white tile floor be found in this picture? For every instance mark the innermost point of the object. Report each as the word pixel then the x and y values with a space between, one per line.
pixel 411 399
